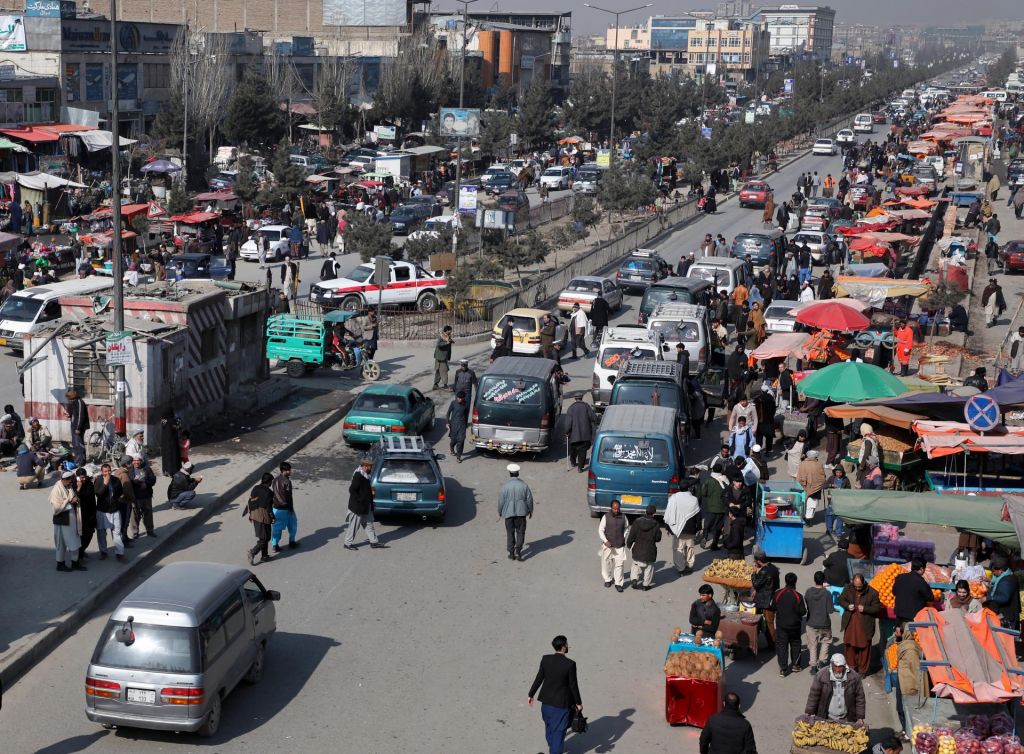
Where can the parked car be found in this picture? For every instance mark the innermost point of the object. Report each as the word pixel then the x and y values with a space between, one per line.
pixel 513 200
pixel 408 217
pixel 777 317
pixel 406 478
pixel 1015 172
pixel 278 236
pixel 1012 256
pixel 388 408
pixel 223 181
pixel 431 201
pixel 525 330
pixel 846 137
pixel 824 146
pixel 194 266
pixel 497 168
pixel 754 194
pixel 556 178
pixel 859 196
pixel 584 289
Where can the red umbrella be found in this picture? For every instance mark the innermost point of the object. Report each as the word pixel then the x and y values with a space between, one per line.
pixel 828 315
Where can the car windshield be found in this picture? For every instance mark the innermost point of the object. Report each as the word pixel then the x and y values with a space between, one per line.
pixel 390 404
pixel 824 142
pixel 754 187
pixel 655 296
pixel 633 451
pixel 676 332
pixel 361 274
pixel 584 286
pixel 273 235
pixel 589 175
pixel 519 322
pixel 751 243
pixel 511 391
pixel 636 394
pixel 406 471
pixel 711 274
pixel 553 171
pixel 779 312
pixel 166 649
pixel 806 238
pixel 20 309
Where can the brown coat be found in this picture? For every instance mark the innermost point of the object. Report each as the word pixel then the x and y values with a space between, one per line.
pixel 768 216
pixel 872 608
pixel 811 476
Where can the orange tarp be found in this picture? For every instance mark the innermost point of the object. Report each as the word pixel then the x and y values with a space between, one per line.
pixel 940 439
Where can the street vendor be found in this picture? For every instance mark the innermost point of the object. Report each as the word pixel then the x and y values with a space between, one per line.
pixel 705 615
pixel 1005 595
pixel 837 693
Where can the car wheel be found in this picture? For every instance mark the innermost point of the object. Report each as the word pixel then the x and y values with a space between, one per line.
pixel 428 302
pixel 256 669
pixel 212 721
pixel 352 303
pixel 296 368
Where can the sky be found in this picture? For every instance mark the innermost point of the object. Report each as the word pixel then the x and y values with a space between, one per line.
pixel 880 12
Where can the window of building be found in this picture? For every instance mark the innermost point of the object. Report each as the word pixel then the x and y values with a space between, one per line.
pixel 12 95
pixel 733 42
pixel 632 34
pixel 156 75
pixel 90 374
pixel 46 95
pixel 746 57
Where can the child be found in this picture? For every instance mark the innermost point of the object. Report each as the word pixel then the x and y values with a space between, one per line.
pixel 185 445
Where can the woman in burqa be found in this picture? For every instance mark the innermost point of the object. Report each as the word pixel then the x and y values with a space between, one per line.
pixel 170 451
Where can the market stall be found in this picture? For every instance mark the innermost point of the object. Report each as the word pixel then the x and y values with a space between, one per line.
pixel 694 691
pixel 780 520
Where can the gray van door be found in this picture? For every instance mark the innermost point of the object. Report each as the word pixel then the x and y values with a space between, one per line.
pixel 227 644
pixel 261 608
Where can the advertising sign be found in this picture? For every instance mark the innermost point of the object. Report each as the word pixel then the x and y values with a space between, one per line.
pixel 705 133
pixel 457 121
pixel 388 133
pixel 787 86
pixel 94 36
pixel 95 84
pixel 120 349
pixel 51 8
pixel 604 158
pixel 12 34
pixel 72 82
pixel 127 81
pixel 467 200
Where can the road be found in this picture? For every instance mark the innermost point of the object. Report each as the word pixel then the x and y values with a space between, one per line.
pixel 430 645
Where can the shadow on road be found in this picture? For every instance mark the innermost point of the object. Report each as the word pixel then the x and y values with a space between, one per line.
pixel 539 546
pixel 603 734
pixel 73 744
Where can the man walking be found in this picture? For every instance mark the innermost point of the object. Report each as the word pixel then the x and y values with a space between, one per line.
pixel 578 322
pixel 515 505
pixel 108 512
pixel 64 507
pixel 78 414
pixel 559 694
pixel 599 315
pixel 259 509
pixel 580 421
pixel 465 381
pixel 728 731
pixel 458 421
pixel 682 517
pixel 790 609
pixel 819 624
pixel 612 533
pixel 712 496
pixel 360 506
pixel 284 509
pixel 643 538
pixel 86 509
pixel 442 355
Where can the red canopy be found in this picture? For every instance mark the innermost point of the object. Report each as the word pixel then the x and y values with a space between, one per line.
pixel 216 196
pixel 912 190
pixel 828 315
pixel 195 218
pixel 370 184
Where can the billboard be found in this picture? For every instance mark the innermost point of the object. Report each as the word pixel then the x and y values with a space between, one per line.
pixel 467 199
pixel 388 133
pixel 366 13
pixel 457 121
pixel 51 8
pixel 12 34
pixel 94 36
pixel 787 86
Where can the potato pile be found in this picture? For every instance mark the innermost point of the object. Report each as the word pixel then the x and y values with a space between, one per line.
pixel 702 666
pixel 813 731
pixel 729 570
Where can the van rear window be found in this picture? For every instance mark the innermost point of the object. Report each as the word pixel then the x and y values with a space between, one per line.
pixel 676 332
pixel 630 393
pixel 655 296
pixel 510 391
pixel 633 451
pixel 614 357
pixel 165 649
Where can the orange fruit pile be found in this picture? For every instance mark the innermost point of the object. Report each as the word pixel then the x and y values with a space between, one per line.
pixel 882 583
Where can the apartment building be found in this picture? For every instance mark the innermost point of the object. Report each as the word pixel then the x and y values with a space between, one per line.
pixel 798 30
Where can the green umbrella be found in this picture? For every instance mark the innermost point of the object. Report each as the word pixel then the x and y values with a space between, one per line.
pixel 851 381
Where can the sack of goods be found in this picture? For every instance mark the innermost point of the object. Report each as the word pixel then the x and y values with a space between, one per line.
pixel 814 731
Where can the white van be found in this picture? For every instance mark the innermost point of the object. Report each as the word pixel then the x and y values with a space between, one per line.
pixel 25 311
pixel 672 323
pixel 619 344
pixel 863 123
pixel 725 273
pixel 998 95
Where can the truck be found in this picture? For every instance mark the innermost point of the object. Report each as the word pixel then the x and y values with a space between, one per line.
pixel 408 285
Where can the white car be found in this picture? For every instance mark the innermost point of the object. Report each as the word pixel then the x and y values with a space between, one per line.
pixel 864 123
pixel 278 235
pixel 409 284
pixel 824 146
pixel 777 317
pixel 556 178
pixel 846 137
pixel 432 227
pixel 618 345
pixel 498 168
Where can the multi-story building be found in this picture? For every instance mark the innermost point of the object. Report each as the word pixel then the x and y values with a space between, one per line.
pixel 798 30
pixel 629 38
pixel 728 49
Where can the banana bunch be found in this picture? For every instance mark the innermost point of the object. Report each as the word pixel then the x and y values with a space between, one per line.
pixel 739 570
pixel 812 731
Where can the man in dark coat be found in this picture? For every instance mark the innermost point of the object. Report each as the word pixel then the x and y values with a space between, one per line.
pixel 765 581
pixel 790 610
pixel 559 693
pixel 458 420
pixel 464 381
pixel 260 511
pixel 580 421
pixel 705 614
pixel 728 731
pixel 1005 595
pixel 736 367
pixel 360 506
pixel 822 702
pixel 86 508
pixel 642 540
pixel 108 511
pixel 911 592
pixel 78 414
pixel 599 314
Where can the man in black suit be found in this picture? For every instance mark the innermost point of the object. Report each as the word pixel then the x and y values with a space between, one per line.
pixel 559 694
pixel 728 732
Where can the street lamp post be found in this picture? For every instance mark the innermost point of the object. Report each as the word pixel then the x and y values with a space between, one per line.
pixel 458 139
pixel 615 64
pixel 117 261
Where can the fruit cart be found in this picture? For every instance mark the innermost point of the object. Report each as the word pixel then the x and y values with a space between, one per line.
pixel 693 679
pixel 905 466
pixel 780 521
pixel 733 576
pixel 813 735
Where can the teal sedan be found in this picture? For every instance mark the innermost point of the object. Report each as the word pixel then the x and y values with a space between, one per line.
pixel 392 409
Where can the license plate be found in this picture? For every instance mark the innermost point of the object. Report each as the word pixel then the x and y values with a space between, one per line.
pixel 504 434
pixel 636 277
pixel 631 499
pixel 405 497
pixel 142 696
pixel 372 428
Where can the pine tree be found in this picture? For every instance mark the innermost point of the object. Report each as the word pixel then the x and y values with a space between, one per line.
pixel 534 120
pixel 252 117
pixel 369 238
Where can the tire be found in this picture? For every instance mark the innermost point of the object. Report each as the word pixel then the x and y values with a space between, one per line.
pixel 371 371
pixel 255 673
pixel 428 302
pixel 352 303
pixel 212 721
pixel 296 368
pixel 107 726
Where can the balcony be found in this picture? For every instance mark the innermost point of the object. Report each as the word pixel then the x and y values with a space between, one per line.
pixel 27 113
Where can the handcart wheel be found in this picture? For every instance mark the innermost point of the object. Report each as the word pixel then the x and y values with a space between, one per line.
pixel 371 371
pixel 865 339
pixel 889 340
pixel 296 368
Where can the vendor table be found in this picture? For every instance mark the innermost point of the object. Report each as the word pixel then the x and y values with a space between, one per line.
pixel 781 536
pixel 689 701
pixel 739 632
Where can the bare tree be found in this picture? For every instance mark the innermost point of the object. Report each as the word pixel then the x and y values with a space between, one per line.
pixel 412 83
pixel 200 76
pixel 332 84
pixel 283 81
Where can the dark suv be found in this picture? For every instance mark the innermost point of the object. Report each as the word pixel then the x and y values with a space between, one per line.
pixel 762 246
pixel 408 217
pixel 640 270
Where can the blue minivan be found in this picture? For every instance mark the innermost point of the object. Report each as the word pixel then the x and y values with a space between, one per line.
pixel 637 459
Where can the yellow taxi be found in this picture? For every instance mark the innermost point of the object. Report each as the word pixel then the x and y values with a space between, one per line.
pixel 526 324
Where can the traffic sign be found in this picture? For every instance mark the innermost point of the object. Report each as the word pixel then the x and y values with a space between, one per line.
pixel 982 413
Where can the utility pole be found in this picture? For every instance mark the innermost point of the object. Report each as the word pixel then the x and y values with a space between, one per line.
pixel 117 261
pixel 458 139
pixel 184 104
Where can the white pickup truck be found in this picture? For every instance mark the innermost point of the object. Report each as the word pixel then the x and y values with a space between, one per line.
pixel 410 284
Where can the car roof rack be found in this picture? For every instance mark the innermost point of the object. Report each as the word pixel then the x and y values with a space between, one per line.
pixel 393 443
pixel 644 253
pixel 675 309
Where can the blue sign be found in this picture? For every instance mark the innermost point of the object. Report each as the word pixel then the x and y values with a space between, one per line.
pixel 982 413
pixel 51 8
pixel 787 86
pixel 705 132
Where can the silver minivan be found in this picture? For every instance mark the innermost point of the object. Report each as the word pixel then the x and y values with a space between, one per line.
pixel 176 647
